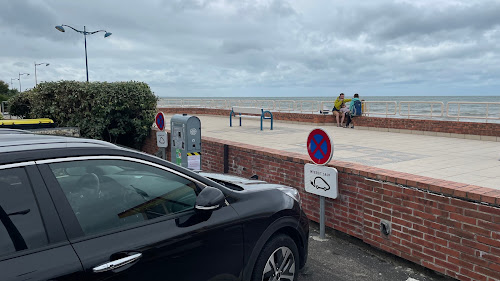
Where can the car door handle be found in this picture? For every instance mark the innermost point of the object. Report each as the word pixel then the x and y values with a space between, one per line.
pixel 117 263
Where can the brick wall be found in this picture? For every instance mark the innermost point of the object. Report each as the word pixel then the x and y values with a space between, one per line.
pixel 449 227
pixel 452 127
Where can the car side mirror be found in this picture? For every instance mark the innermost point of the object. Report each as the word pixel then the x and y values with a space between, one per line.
pixel 210 198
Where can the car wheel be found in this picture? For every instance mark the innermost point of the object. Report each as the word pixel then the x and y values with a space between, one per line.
pixel 278 260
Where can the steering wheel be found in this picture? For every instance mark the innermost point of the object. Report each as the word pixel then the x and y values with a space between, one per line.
pixel 90 181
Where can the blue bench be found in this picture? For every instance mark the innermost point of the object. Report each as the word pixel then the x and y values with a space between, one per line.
pixel 238 111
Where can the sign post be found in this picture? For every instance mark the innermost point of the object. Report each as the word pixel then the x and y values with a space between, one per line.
pixel 319 179
pixel 161 135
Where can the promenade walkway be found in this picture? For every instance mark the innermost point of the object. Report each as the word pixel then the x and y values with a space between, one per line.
pixel 460 160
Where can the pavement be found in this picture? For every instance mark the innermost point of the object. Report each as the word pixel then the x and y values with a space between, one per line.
pixel 460 160
pixel 344 258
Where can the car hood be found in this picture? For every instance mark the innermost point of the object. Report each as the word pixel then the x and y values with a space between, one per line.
pixel 243 183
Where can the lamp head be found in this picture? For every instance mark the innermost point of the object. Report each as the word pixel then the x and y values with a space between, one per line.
pixel 60 28
pixel 107 34
pixel 47 64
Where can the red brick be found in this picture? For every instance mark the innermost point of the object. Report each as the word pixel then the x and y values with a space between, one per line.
pixel 422 256
pixel 463 204
pixel 412 219
pixel 489 226
pixel 435 254
pixel 411 245
pixel 475 245
pixel 447 265
pixel 478 215
pixel 433 267
pixel 437 212
pixel 461 263
pixel 436 226
pixel 451 209
pixel 447 251
pixel 462 249
pixel 477 230
pixel 436 240
pixel 488 241
pixel 474 260
pixel 424 229
pixel 490 210
pixel 488 272
pixel 438 198
pixel 450 223
pixel 464 219
pixel 472 274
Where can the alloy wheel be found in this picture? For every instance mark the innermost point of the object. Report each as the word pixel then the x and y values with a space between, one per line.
pixel 280 266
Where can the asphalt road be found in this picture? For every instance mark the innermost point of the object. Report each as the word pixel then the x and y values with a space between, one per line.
pixel 343 258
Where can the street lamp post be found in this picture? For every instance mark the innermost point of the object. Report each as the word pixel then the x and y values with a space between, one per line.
pixel 85 33
pixel 20 79
pixel 46 64
pixel 12 86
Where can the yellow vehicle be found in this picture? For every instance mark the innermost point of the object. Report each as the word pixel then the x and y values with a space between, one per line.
pixel 27 123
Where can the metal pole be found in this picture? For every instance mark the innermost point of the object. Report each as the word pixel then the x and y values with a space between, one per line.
pixel 19 82
pixel 36 83
pixel 322 217
pixel 86 62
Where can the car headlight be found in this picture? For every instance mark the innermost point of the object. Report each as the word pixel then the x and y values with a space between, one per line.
pixel 292 192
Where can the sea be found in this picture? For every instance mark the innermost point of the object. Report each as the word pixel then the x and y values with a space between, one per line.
pixel 453 108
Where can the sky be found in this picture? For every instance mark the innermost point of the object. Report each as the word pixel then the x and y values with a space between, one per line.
pixel 260 48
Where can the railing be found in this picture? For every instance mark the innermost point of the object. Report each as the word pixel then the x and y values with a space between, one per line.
pixel 285 105
pixel 430 114
pixel 269 105
pixel 326 105
pixel 481 105
pixel 307 106
pixel 390 108
pixel 406 109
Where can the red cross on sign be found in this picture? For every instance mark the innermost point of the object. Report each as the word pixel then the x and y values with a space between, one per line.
pixel 319 146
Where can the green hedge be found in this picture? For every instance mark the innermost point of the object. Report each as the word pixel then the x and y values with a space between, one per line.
pixel 118 112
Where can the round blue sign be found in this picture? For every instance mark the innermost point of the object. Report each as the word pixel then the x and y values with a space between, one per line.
pixel 160 121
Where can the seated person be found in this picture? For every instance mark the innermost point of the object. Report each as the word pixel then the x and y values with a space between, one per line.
pixel 355 109
pixel 343 111
pixel 337 105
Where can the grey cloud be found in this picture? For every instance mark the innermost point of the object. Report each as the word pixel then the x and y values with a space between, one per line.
pixel 202 46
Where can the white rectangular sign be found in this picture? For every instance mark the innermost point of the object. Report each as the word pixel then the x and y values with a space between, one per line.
pixel 321 180
pixel 161 139
pixel 194 162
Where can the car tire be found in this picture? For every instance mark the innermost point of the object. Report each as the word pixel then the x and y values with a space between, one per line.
pixel 278 260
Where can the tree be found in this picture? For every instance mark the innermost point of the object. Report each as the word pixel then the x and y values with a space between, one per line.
pixel 4 88
pixel 118 112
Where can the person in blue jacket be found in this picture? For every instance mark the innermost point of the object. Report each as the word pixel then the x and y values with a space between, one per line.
pixel 354 110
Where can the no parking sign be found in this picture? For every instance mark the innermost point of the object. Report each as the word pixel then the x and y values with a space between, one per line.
pixel 160 121
pixel 319 146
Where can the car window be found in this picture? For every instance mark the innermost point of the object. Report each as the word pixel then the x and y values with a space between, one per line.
pixel 106 194
pixel 21 225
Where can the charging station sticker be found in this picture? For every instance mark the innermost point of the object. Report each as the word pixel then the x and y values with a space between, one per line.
pixel 194 161
pixel 178 157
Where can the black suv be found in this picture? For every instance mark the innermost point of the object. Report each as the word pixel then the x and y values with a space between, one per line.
pixel 80 209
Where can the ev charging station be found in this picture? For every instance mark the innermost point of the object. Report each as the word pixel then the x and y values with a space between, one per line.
pixel 185 141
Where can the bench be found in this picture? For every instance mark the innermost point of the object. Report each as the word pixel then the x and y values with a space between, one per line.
pixel 258 113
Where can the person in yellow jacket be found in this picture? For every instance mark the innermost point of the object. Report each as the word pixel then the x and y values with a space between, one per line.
pixel 336 107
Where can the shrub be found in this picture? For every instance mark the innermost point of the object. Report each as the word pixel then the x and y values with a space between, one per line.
pixel 118 112
pixel 20 104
